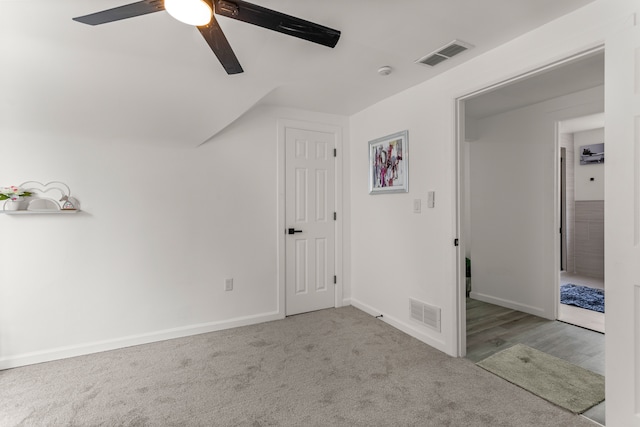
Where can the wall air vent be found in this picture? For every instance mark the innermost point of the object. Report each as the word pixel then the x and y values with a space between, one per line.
pixel 425 313
pixel 445 52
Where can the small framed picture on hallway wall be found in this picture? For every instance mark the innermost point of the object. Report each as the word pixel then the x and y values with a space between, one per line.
pixel 592 154
pixel 389 164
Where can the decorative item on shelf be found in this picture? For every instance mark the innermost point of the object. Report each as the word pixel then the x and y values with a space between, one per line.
pixel 43 197
pixel 43 205
pixel 12 205
pixel 70 203
pixel 13 196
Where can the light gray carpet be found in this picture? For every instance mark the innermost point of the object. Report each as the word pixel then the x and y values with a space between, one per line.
pixel 558 381
pixel 338 367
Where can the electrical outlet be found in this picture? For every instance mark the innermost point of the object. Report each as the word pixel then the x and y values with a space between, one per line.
pixel 228 284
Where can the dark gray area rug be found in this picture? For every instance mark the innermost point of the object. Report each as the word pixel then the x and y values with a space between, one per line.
pixel 338 367
pixel 558 381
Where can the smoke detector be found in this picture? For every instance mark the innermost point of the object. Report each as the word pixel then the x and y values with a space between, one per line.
pixel 445 52
pixel 385 70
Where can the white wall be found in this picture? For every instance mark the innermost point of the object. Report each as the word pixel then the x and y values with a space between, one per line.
pixel 397 254
pixel 585 188
pixel 161 229
pixel 513 166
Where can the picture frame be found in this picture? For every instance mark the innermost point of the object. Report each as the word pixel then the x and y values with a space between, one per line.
pixel 592 154
pixel 389 164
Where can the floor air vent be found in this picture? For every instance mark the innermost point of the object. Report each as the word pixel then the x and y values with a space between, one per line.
pixel 425 313
pixel 445 52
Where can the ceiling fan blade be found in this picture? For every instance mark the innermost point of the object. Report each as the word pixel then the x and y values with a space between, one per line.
pixel 276 21
pixel 218 43
pixel 123 12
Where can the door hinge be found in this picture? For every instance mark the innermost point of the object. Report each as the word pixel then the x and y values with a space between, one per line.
pixel 335 279
pixel 335 152
pixel 456 242
pixel 335 216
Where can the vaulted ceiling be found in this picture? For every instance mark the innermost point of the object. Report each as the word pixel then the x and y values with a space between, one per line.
pixel 153 79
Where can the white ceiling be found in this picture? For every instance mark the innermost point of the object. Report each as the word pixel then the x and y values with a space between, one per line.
pixel 584 73
pixel 581 124
pixel 153 79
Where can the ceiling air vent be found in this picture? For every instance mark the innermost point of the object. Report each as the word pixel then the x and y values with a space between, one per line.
pixel 445 52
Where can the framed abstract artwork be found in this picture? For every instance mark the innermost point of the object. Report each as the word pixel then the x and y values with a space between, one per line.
pixel 389 164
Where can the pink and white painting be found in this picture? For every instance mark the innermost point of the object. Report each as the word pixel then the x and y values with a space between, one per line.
pixel 388 164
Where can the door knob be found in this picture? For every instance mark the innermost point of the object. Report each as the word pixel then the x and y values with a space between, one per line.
pixel 292 231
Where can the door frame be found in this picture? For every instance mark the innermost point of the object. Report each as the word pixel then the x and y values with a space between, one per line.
pixel 461 191
pixel 337 131
pixel 564 259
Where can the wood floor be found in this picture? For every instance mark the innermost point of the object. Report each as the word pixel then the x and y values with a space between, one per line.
pixel 491 328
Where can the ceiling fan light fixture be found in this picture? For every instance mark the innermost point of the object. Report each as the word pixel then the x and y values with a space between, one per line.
pixel 191 12
pixel 200 13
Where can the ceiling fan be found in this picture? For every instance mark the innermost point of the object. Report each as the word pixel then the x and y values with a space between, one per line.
pixel 200 13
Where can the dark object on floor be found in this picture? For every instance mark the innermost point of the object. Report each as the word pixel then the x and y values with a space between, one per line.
pixel 468 275
pixel 583 297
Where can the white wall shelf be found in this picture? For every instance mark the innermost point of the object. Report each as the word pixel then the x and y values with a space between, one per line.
pixel 50 212
pixel 51 198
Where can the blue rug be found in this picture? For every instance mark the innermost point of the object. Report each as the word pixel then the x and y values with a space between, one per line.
pixel 583 297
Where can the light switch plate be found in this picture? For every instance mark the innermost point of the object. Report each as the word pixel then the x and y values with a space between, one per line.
pixel 431 201
pixel 417 205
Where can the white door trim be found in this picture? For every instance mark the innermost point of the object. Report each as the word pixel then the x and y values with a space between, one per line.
pixel 283 125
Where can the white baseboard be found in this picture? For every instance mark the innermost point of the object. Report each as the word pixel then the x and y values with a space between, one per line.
pixel 404 327
pixel 346 302
pixel 536 311
pixel 132 340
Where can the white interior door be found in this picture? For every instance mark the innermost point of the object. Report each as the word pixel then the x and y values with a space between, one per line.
pixel 622 224
pixel 310 221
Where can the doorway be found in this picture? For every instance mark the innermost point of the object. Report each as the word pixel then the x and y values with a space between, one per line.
pixel 509 203
pixel 508 182
pixel 581 300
